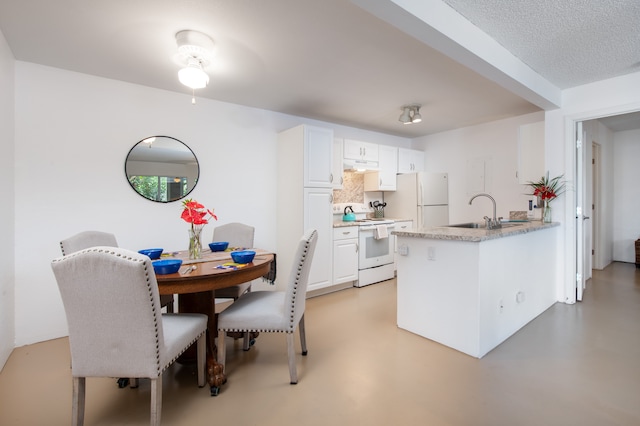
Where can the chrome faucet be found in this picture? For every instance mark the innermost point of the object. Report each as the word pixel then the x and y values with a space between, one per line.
pixel 492 223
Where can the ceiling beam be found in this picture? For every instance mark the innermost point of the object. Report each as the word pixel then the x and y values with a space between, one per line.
pixel 439 26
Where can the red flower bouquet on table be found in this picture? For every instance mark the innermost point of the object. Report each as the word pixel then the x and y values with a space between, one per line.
pixel 195 214
pixel 546 190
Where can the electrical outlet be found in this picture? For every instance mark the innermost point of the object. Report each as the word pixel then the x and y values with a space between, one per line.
pixel 520 297
pixel 431 253
pixel 403 250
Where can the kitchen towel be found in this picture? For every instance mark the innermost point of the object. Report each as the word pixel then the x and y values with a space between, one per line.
pixel 380 232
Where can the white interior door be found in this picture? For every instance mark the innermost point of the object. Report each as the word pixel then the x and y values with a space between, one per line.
pixel 580 199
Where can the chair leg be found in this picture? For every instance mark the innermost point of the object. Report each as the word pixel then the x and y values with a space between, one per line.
pixel 246 341
pixel 222 350
pixel 201 358
pixel 77 414
pixel 291 353
pixel 303 336
pixel 156 400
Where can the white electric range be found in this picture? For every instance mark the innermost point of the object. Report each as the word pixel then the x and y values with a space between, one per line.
pixel 375 243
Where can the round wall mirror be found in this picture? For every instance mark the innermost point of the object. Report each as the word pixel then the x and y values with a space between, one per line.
pixel 162 169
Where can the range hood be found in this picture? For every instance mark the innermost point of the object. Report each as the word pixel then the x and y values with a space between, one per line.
pixel 360 165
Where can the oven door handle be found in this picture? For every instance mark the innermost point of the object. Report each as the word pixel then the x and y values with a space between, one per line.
pixel 372 227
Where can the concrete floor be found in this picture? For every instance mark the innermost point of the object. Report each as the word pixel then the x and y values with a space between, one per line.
pixel 573 365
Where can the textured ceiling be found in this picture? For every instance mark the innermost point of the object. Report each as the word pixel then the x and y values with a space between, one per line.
pixel 329 60
pixel 569 42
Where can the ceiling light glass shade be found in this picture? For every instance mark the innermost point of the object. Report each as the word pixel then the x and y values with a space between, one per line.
pixel 404 117
pixel 193 75
pixel 416 117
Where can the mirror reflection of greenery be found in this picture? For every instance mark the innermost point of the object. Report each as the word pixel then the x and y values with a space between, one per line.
pixel 160 188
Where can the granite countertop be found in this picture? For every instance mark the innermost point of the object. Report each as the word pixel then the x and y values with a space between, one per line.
pixel 342 224
pixel 476 234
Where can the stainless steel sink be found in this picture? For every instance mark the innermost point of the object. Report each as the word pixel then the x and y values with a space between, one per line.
pixel 466 225
pixel 475 225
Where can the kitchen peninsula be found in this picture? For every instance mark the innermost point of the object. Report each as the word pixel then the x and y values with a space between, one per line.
pixel 472 288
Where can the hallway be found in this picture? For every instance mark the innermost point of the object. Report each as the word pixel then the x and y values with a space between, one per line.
pixel 573 365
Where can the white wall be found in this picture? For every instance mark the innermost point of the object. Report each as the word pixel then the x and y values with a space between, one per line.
pixel 626 198
pixel 495 144
pixel 73 132
pixel 7 217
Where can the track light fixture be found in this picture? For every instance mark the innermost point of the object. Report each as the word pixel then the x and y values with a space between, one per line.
pixel 410 114
pixel 195 51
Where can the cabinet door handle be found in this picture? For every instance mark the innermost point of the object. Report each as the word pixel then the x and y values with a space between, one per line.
pixel 331 177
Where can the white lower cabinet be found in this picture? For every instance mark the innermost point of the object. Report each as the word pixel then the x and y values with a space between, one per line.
pixel 318 216
pixel 345 254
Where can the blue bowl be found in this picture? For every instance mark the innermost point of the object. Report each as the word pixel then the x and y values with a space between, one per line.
pixel 218 245
pixel 153 253
pixel 243 256
pixel 167 266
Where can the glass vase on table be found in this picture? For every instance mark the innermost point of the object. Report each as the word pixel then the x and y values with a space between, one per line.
pixel 195 242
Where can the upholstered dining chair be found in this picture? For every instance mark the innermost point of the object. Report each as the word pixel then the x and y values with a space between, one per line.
pixel 130 338
pixel 86 239
pixel 237 235
pixel 274 311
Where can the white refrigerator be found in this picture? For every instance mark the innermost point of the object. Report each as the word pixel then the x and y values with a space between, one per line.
pixel 422 197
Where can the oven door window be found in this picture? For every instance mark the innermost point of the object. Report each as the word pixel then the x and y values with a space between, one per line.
pixel 376 248
pixel 374 252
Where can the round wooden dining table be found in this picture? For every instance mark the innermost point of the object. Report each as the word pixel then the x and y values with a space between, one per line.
pixel 196 293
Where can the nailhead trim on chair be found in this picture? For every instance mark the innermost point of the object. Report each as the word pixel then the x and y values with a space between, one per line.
pixel 159 369
pixel 181 352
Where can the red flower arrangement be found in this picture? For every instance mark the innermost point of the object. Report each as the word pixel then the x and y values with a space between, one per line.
pixel 548 189
pixel 195 213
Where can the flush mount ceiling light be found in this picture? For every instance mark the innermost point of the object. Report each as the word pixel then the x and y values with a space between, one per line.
pixel 410 114
pixel 193 75
pixel 195 51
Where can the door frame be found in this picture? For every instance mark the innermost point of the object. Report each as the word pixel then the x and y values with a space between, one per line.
pixel 571 247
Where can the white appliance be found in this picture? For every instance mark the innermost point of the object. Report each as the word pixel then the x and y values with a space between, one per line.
pixel 422 197
pixel 375 244
pixel 376 247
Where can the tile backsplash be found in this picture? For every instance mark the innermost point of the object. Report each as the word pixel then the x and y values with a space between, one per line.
pixel 352 189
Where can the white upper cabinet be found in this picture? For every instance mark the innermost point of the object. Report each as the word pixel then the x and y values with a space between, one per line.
pixel 318 157
pixel 362 151
pixel 385 178
pixel 338 166
pixel 410 160
pixel 531 152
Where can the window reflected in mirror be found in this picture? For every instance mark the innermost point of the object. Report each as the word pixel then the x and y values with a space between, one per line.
pixel 162 169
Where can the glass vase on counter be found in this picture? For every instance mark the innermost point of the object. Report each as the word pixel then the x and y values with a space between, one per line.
pixel 546 212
